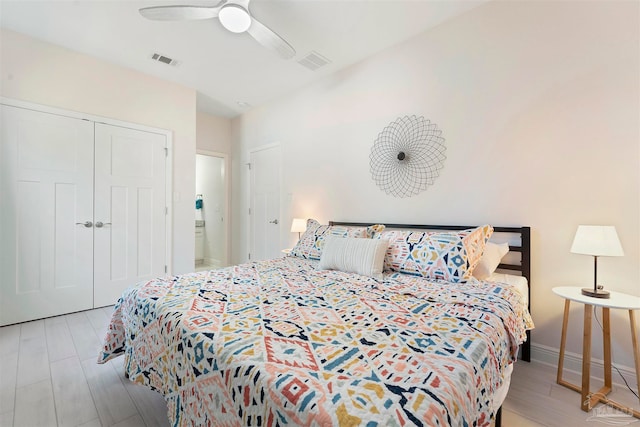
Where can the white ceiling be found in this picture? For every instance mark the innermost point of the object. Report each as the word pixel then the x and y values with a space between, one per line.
pixel 223 67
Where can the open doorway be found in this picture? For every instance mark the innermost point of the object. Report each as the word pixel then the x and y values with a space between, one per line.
pixel 211 210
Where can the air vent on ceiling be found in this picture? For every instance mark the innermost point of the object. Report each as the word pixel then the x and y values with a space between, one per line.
pixel 313 60
pixel 164 59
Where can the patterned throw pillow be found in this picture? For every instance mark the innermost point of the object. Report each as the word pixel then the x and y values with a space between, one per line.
pixel 439 255
pixel 312 241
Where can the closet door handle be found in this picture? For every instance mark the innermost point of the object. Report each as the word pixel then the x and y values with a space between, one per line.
pixel 99 224
pixel 275 221
pixel 87 224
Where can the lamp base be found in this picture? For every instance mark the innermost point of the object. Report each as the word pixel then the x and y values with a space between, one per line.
pixel 597 294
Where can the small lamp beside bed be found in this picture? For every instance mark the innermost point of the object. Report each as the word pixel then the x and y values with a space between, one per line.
pixel 298 225
pixel 596 240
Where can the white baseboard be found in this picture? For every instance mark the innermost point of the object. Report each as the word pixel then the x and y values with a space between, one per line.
pixel 573 363
pixel 215 263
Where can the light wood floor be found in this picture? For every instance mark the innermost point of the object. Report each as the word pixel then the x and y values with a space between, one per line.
pixel 49 377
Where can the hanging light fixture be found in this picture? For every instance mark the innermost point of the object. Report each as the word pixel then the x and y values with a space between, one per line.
pixel 235 18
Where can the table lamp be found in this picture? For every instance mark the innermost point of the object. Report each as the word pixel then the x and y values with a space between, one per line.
pixel 596 240
pixel 299 225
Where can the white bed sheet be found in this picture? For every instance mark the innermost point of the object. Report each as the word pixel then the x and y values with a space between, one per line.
pixel 518 282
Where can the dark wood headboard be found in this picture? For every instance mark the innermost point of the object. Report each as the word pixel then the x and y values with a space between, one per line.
pixel 521 265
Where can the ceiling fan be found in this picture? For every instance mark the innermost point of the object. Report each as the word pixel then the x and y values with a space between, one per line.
pixel 234 16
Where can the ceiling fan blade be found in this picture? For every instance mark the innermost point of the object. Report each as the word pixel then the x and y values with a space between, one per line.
pixel 179 13
pixel 266 37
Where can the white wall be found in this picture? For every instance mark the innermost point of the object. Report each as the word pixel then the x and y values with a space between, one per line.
pixel 539 106
pixel 42 73
pixel 213 133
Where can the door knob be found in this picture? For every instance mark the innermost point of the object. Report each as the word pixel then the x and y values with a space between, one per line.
pixel 87 224
pixel 99 224
pixel 275 221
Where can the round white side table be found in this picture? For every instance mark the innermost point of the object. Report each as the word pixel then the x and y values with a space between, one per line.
pixel 617 300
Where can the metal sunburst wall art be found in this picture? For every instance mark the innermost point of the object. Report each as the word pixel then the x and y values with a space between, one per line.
pixel 407 156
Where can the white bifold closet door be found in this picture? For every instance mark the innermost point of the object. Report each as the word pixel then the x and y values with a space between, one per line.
pixel 46 178
pixel 74 236
pixel 130 202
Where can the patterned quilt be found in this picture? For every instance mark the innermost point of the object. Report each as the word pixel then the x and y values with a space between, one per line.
pixel 279 343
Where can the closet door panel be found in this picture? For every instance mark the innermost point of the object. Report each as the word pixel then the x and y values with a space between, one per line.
pixel 130 200
pixel 46 187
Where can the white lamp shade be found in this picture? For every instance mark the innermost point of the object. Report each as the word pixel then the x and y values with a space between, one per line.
pixel 234 18
pixel 298 225
pixel 597 240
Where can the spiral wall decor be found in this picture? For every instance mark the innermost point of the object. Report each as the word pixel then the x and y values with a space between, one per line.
pixel 407 156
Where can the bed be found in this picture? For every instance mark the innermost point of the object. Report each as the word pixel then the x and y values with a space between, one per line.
pixel 284 342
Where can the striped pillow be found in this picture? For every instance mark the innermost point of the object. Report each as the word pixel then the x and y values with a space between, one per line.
pixel 353 255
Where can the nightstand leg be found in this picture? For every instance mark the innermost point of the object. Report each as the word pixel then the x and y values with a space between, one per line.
pixel 563 340
pixel 586 358
pixel 636 351
pixel 606 345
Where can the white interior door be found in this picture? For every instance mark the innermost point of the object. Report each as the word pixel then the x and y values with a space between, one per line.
pixel 130 209
pixel 46 192
pixel 265 203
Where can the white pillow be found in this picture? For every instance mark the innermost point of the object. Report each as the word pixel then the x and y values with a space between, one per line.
pixel 354 255
pixel 491 257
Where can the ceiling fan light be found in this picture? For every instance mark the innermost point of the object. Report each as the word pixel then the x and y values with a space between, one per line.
pixel 234 18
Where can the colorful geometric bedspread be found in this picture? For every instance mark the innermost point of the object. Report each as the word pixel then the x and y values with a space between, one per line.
pixel 279 343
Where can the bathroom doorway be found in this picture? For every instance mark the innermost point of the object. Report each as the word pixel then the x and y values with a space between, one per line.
pixel 211 210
